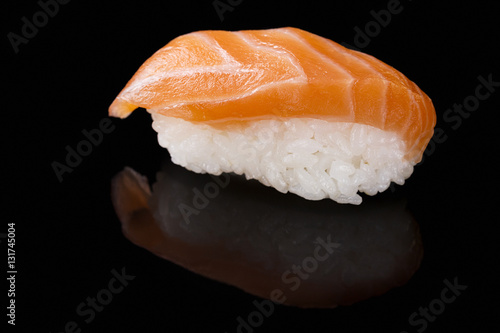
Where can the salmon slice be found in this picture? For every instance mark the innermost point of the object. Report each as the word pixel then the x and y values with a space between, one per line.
pixel 218 77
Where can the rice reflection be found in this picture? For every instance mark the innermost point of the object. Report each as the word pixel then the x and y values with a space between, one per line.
pixel 282 247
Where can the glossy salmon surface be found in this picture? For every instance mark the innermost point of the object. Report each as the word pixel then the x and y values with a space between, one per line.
pixel 222 76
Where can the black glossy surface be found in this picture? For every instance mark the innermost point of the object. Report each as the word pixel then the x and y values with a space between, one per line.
pixel 68 238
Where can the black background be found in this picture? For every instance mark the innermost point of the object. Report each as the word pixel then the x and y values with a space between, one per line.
pixel 68 237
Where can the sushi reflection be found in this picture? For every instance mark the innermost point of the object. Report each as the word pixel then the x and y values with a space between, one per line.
pixel 276 246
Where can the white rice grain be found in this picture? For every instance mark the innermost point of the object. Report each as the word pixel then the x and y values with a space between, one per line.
pixel 312 158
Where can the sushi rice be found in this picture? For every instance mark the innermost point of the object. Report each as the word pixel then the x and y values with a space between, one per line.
pixel 312 158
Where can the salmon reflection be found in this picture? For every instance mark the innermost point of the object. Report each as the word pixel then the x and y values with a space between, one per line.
pixel 276 246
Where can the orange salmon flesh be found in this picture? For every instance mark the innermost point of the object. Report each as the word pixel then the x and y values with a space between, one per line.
pixel 220 76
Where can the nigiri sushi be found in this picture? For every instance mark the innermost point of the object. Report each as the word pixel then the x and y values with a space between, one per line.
pixel 293 110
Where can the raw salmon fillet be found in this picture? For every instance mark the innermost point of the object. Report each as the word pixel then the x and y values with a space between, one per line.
pixel 220 76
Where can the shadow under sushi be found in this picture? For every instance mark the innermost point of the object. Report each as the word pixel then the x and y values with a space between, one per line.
pixel 276 246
